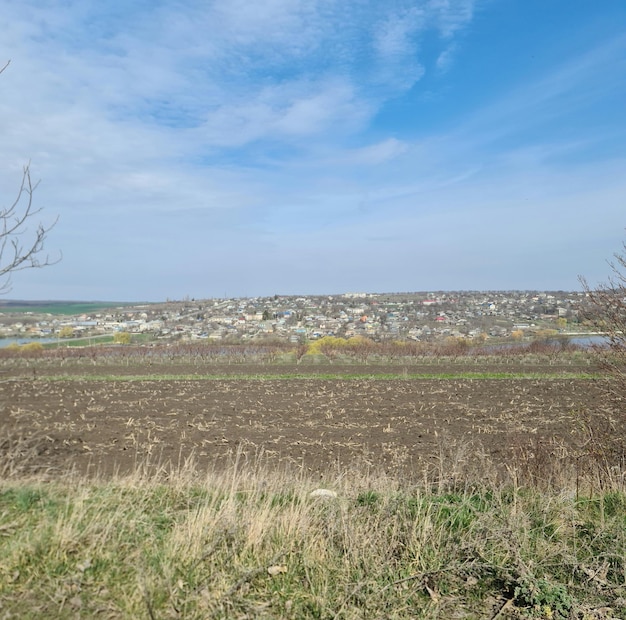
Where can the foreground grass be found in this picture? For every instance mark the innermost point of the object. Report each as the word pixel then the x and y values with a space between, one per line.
pixel 249 543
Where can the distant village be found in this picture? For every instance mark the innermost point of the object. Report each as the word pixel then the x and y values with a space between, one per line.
pixel 399 316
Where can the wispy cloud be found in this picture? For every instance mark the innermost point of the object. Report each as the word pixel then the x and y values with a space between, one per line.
pixel 563 94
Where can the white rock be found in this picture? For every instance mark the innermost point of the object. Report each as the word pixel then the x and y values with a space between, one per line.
pixel 323 493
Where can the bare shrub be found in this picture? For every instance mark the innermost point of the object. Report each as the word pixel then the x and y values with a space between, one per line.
pixel 606 312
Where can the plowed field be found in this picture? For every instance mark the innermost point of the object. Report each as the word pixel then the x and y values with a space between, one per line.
pixel 58 419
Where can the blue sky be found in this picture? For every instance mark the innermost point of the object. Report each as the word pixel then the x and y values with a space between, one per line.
pixel 232 148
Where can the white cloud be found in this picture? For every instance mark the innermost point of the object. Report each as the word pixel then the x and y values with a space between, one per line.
pixel 446 58
pixel 335 105
pixel 271 22
pixel 375 154
pixel 283 64
pixel 395 35
pixel 450 15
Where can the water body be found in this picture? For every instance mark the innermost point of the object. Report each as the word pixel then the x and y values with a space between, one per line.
pixel 584 341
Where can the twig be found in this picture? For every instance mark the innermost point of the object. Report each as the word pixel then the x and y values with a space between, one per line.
pixel 347 598
pixel 208 553
pixel 507 604
pixel 418 576
pixel 246 577
pixel 146 599
pixel 421 576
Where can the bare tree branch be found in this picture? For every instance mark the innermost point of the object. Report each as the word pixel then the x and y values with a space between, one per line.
pixel 21 247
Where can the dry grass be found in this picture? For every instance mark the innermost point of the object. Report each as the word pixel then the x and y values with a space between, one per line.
pixel 251 542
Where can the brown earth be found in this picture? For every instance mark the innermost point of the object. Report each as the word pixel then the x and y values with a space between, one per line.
pixel 81 421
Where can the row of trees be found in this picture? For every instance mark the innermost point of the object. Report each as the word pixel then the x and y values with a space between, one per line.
pixel 331 349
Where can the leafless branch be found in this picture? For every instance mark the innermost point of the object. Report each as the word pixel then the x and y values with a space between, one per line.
pixel 21 247
pixel 606 312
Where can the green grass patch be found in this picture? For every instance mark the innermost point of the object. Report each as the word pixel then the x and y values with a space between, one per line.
pixel 318 376
pixel 59 308
pixel 78 342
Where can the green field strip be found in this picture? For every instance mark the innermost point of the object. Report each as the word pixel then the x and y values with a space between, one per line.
pixel 321 377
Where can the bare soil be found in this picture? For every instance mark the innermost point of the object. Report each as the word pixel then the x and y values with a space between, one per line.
pixel 80 421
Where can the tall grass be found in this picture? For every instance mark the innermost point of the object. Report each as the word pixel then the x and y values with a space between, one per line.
pixel 252 542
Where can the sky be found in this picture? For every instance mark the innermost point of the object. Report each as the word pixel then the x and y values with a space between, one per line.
pixel 227 148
